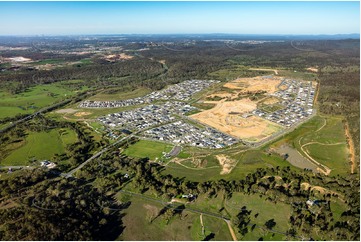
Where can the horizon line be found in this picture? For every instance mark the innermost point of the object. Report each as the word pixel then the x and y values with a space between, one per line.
pixel 221 33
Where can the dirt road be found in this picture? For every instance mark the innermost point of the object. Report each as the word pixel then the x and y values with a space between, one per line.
pixel 351 146
pixel 231 230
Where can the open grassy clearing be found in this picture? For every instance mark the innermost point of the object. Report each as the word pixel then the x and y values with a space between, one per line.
pixel 35 98
pixel 334 157
pixel 48 61
pixel 264 208
pixel 237 71
pixel 39 146
pixel 150 149
pixel 138 226
pixel 323 138
pixel 115 94
pixel 298 75
pixel 247 162
pixel 261 211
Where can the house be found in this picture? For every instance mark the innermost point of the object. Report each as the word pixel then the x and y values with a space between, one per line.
pixel 44 163
pixel 310 202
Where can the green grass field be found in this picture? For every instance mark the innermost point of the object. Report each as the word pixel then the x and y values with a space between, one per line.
pixel 247 162
pixel 40 146
pixel 150 149
pixel 119 95
pixel 326 142
pixel 335 157
pixel 138 226
pixel 265 209
pixel 298 75
pixel 35 98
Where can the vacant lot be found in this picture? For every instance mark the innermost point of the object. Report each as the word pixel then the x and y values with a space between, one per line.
pixel 39 146
pixel 227 117
pixel 150 149
pixel 229 114
pixel 255 84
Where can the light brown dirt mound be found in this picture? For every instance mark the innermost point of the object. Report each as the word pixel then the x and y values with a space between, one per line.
pixel 67 110
pixel 226 163
pixel 116 57
pixel 81 114
pixel 312 69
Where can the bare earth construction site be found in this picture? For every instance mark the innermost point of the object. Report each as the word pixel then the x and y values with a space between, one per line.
pixel 245 107
pixel 233 115
pixel 251 110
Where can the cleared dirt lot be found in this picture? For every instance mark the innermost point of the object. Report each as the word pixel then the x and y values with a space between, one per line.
pixel 227 117
pixel 81 114
pixel 233 117
pixel 255 84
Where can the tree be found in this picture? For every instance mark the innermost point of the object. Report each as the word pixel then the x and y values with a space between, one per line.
pixel 270 224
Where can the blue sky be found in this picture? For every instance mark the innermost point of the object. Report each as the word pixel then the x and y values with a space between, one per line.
pixel 31 18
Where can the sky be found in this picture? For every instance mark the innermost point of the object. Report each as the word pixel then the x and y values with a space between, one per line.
pixel 78 18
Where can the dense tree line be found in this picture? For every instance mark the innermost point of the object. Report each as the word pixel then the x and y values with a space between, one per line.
pixel 57 210
pixel 275 184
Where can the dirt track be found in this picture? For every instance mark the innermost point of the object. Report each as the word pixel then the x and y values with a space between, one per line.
pixel 351 146
pixel 325 170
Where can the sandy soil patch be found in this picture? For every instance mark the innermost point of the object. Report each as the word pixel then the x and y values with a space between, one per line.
pixel 81 114
pixel 255 84
pixel 312 69
pixel 227 117
pixel 116 57
pixel 226 163
pixel 222 95
pixel 283 87
pixel 66 110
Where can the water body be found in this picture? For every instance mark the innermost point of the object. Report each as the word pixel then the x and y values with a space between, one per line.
pixel 295 158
